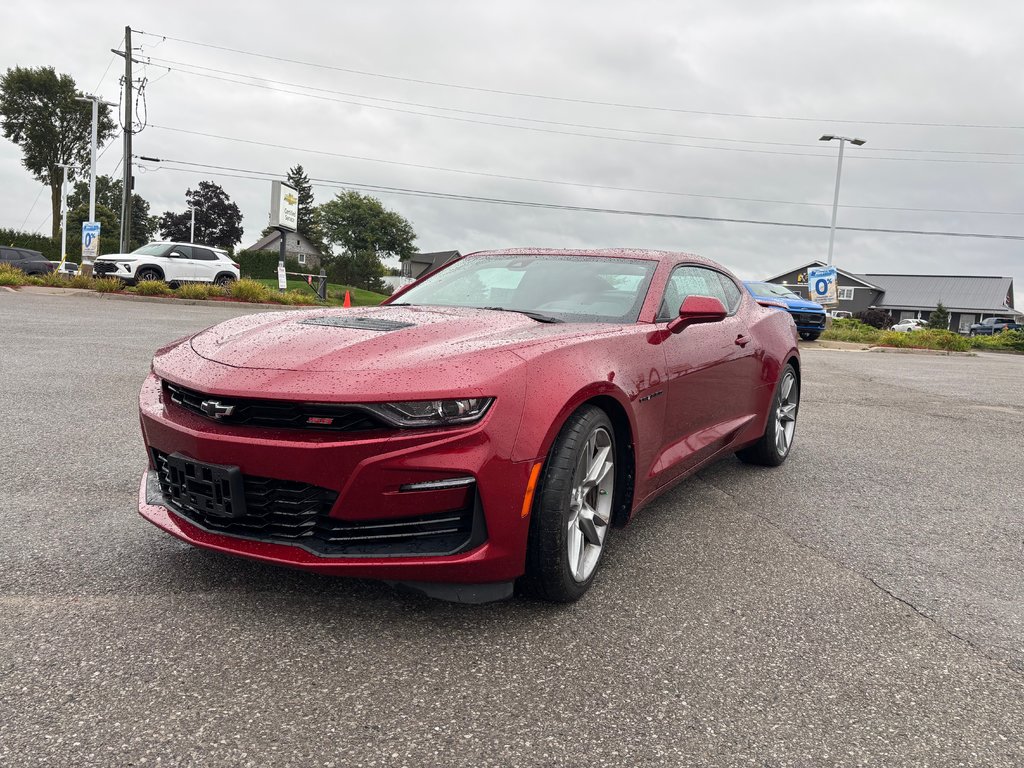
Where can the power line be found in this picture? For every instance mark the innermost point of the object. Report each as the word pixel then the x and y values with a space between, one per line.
pixel 569 183
pixel 536 129
pixel 589 209
pixel 567 99
pixel 173 66
pixel 25 221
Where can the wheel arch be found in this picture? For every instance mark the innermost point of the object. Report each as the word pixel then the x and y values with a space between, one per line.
pixel 625 450
pixel 155 267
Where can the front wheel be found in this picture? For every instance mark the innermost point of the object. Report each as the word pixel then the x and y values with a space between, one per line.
pixel 148 274
pixel 572 510
pixel 774 446
pixel 809 335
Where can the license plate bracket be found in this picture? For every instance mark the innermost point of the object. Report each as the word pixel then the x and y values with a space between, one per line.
pixel 217 490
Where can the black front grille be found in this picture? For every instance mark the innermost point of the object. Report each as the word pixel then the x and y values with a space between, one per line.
pixel 104 267
pixel 809 318
pixel 273 414
pixel 285 512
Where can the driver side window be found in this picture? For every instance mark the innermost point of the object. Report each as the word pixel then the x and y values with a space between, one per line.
pixel 180 252
pixel 690 280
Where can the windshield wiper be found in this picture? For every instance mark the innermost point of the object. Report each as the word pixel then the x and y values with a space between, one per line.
pixel 540 318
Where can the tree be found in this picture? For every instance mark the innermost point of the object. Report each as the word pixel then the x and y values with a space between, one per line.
pixel 297 178
pixel 108 197
pixel 218 220
pixel 361 224
pixel 876 318
pixel 361 269
pixel 939 318
pixel 41 116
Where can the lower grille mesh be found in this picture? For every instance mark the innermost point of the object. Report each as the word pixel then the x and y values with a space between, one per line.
pixel 284 512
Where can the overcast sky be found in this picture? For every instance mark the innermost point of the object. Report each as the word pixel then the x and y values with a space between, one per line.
pixel 867 69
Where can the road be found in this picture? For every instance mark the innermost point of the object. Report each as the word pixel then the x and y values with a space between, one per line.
pixel 862 605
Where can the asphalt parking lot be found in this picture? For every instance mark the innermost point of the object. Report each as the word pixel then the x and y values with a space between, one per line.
pixel 862 605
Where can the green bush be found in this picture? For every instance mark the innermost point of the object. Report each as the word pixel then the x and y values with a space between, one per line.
pixel 1013 340
pixel 262 265
pixel 107 284
pixel 298 298
pixel 12 275
pixel 81 281
pixel 925 339
pixel 848 329
pixel 152 288
pixel 200 291
pixel 249 290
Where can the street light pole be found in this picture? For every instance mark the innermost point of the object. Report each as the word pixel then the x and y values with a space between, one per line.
pixel 835 198
pixel 192 233
pixel 64 214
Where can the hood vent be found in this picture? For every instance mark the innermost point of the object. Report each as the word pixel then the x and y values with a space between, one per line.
pixel 358 323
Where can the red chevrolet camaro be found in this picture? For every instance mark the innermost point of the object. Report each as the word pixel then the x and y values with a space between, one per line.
pixel 487 425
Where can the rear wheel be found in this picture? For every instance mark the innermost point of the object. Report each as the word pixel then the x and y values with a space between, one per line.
pixel 774 446
pixel 148 273
pixel 572 510
pixel 224 281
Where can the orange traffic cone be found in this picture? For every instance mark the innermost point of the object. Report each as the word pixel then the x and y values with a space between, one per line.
pixel 348 300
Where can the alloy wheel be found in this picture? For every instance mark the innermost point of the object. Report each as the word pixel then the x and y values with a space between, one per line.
pixel 785 413
pixel 590 504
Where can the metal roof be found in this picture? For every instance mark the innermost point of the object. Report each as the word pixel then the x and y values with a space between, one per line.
pixel 988 294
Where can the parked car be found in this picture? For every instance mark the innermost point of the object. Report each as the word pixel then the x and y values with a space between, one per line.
pixel 171 262
pixel 809 316
pixel 489 423
pixel 28 261
pixel 991 325
pixel 910 324
pixel 69 269
pixel 840 314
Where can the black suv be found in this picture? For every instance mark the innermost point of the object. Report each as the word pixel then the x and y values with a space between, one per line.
pixel 29 262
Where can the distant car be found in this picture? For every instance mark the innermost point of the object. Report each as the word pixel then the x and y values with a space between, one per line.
pixel 992 325
pixel 70 268
pixel 840 314
pixel 29 262
pixel 809 316
pixel 910 324
pixel 170 262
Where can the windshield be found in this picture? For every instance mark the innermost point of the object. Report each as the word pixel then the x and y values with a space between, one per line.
pixel 771 289
pixel 573 289
pixel 153 249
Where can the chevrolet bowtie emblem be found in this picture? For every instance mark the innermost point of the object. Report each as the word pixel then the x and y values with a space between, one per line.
pixel 290 198
pixel 215 409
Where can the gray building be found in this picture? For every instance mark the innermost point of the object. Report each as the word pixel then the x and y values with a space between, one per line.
pixel 969 298
pixel 297 246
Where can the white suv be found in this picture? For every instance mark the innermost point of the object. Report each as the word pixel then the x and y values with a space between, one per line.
pixel 171 262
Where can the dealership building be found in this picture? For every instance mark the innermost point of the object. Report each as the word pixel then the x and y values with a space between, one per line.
pixel 969 298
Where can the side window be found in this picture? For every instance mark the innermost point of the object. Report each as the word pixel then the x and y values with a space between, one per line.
pixel 181 251
pixel 9 254
pixel 203 254
pixel 689 280
pixel 731 292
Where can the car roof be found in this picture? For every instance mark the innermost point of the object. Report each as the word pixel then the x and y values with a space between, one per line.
pixel 178 242
pixel 603 253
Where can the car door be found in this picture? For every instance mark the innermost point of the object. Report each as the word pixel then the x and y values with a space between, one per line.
pixel 712 373
pixel 12 257
pixel 206 264
pixel 180 266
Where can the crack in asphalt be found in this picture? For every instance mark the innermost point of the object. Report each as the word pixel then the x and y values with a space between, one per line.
pixel 846 567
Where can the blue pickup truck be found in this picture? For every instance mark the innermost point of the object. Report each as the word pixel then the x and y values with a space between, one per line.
pixel 809 316
pixel 992 325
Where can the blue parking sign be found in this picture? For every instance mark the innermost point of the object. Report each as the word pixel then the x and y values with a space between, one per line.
pixel 90 241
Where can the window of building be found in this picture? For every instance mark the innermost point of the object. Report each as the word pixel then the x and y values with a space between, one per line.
pixel 845 293
pixel 302 258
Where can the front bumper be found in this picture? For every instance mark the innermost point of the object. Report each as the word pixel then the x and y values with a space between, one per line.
pixel 365 474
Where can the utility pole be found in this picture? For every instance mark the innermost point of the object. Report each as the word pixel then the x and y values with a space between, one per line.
pixel 64 213
pixel 192 232
pixel 126 194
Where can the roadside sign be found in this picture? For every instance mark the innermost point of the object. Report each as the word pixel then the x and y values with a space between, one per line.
pixel 822 285
pixel 90 241
pixel 282 278
pixel 284 206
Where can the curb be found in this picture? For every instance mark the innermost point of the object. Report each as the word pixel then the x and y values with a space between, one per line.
pixel 45 290
pixel 843 346
pixel 911 351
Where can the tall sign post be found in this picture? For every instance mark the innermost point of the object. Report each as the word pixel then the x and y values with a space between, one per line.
pixel 284 215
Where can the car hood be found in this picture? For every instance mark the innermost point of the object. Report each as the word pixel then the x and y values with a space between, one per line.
pixel 378 339
pixel 117 256
pixel 803 305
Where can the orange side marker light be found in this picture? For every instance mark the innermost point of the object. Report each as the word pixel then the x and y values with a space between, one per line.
pixel 530 488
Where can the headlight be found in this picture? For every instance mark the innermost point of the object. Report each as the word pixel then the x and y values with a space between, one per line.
pixel 433 413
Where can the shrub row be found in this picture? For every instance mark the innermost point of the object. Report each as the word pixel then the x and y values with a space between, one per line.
pixel 47 246
pixel 861 333
pixel 262 265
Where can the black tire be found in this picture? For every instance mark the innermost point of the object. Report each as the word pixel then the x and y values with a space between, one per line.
pixel 809 335
pixel 224 281
pixel 768 451
pixel 148 273
pixel 549 574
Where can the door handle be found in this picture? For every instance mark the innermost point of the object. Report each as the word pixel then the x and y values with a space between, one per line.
pixel 742 340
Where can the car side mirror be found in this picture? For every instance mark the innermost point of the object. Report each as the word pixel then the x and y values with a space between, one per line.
pixel 697 309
